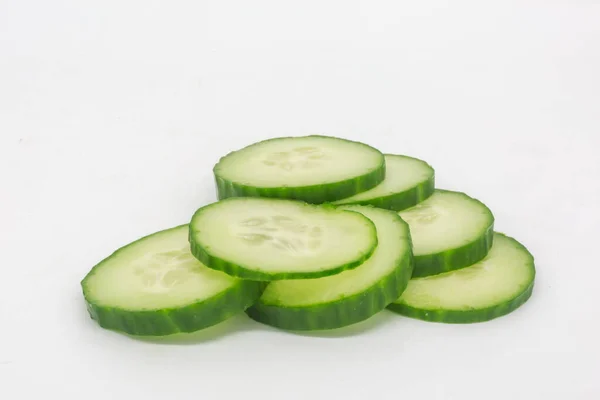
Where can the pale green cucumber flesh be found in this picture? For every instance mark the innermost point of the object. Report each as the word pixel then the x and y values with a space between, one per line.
pixel 315 169
pixel 349 297
pixel 408 181
pixel 154 287
pixel 449 230
pixel 273 239
pixel 488 289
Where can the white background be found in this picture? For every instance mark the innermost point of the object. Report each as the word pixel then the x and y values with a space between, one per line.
pixel 113 113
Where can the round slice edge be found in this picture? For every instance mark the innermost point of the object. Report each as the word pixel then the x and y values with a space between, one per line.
pixel 408 181
pixel 349 297
pixel 315 169
pixel 450 230
pixel 491 288
pixel 271 239
pixel 155 287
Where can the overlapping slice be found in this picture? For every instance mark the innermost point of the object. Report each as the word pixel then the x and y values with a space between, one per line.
pixel 348 297
pixel 315 233
pixel 315 169
pixel 449 230
pixel 155 287
pixel 490 288
pixel 408 181
pixel 272 239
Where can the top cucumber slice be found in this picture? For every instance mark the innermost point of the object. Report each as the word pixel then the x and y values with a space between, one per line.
pixel 488 289
pixel 271 239
pixel 408 181
pixel 155 287
pixel 315 169
pixel 349 297
pixel 449 230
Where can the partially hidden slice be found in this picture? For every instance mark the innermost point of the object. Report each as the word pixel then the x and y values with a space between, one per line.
pixel 315 169
pixel 155 287
pixel 449 230
pixel 349 297
pixel 491 288
pixel 271 239
pixel 408 181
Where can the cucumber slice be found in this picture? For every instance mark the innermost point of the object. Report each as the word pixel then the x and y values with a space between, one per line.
pixel 316 169
pixel 408 181
pixel 449 230
pixel 349 297
pixel 271 239
pixel 155 287
pixel 493 287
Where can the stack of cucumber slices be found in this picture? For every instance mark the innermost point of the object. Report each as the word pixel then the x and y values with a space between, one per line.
pixel 315 233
